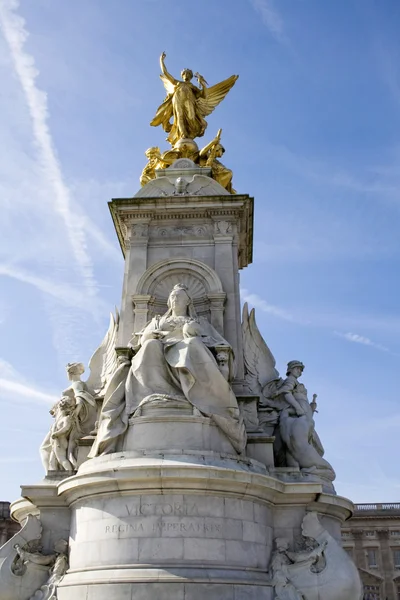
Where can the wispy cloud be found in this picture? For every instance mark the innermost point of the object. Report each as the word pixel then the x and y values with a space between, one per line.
pixel 329 321
pixel 25 392
pixel 67 294
pixel 271 18
pixel 15 34
pixel 355 338
pixel 367 181
pixel 14 388
pixel 275 311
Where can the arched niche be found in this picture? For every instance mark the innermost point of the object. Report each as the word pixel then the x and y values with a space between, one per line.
pixel 156 283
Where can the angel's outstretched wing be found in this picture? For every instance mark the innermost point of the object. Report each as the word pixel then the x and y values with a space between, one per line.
pixel 103 363
pixel 165 111
pixel 169 84
pixel 214 95
pixel 258 358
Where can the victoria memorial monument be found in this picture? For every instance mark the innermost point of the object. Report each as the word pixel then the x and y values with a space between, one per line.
pixel 184 466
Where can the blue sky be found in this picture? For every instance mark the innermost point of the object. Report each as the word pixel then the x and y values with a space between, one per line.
pixel 311 130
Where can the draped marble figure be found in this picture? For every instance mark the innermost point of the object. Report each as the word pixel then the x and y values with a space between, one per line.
pixel 175 358
pixel 289 411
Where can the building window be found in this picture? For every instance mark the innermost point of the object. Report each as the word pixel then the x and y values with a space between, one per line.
pixel 4 510
pixel 395 533
pixel 346 534
pixel 396 558
pixel 370 534
pixel 372 558
pixel 371 592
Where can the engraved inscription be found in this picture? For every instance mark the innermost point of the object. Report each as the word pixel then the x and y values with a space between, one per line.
pixel 191 527
pixel 125 528
pixel 188 527
pixel 175 509
pixel 179 526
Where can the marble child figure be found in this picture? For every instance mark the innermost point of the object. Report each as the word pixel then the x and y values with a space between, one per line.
pixel 74 416
pixel 60 435
pixel 175 357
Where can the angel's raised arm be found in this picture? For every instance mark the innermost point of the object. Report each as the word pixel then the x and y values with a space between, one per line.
pixel 164 71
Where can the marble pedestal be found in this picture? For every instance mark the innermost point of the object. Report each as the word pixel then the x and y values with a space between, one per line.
pixel 155 521
pixel 177 526
pixel 161 426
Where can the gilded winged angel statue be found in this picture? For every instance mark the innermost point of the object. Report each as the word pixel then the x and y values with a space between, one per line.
pixel 283 404
pixel 188 104
pixel 75 414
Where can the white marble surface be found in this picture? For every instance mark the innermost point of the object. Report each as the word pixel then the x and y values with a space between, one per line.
pixel 178 529
pixel 180 512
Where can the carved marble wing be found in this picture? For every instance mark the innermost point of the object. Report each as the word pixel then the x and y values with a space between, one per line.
pixel 337 562
pixel 104 363
pixel 258 358
pixel 31 530
pixel 214 95
pixel 20 586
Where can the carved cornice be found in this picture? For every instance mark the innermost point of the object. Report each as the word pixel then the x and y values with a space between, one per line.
pixel 357 534
pixel 383 534
pixel 230 215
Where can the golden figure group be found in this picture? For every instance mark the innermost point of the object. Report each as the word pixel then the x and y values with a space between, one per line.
pixel 188 105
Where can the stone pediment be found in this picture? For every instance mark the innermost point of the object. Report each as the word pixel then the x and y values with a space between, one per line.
pixel 139 219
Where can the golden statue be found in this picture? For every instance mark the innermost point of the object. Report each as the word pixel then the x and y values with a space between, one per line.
pixel 208 157
pixel 188 104
pixel 154 162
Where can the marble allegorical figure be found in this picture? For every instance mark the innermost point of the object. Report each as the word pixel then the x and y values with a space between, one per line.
pixel 75 414
pixel 57 563
pixel 175 357
pixel 284 408
pixel 321 572
pixel 281 576
pixel 301 444
pixel 62 439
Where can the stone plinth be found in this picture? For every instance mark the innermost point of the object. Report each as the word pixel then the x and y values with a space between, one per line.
pixel 188 525
pixel 168 432
pixel 261 448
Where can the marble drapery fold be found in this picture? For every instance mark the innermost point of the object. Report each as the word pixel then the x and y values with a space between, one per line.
pixel 174 358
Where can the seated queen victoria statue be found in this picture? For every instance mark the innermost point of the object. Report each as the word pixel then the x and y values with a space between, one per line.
pixel 175 360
